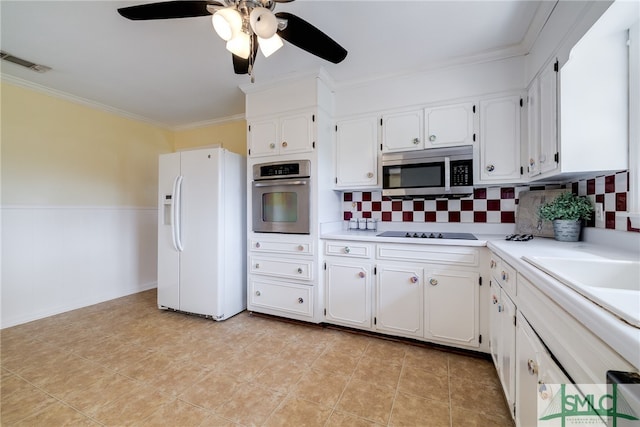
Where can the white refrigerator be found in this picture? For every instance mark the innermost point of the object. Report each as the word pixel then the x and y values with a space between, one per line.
pixel 202 233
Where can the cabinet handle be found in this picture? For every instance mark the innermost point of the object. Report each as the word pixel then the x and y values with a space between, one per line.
pixel 300 248
pixel 532 367
pixel 300 301
pixel 413 279
pixel 433 282
pixel 416 141
pixel 532 162
pixel 494 299
pixel 284 144
pixel 370 175
pixel 361 275
pixel 490 168
pixel 500 308
pixel 257 266
pixel 257 293
pixel 347 249
pixel 492 264
pixel 432 138
pixel 299 270
pixel 272 145
pixel 505 276
pixel 258 245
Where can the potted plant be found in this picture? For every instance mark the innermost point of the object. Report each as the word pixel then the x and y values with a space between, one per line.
pixel 567 211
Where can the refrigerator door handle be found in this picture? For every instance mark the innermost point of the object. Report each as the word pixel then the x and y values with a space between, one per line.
pixel 177 214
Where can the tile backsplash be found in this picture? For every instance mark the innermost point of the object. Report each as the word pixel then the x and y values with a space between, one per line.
pixel 488 205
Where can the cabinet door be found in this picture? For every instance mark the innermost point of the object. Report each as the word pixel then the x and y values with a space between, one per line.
pixel 296 134
pixel 348 294
pixel 399 300
pixel 500 139
pixel 357 153
pixel 548 119
pixel 263 138
pixel 402 131
pixel 449 125
pixel 533 128
pixel 452 306
pixel 494 324
pixel 507 372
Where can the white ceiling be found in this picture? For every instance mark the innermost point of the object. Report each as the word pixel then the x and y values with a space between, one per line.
pixel 177 73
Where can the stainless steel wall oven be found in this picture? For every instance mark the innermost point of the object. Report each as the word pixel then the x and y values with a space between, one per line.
pixel 281 197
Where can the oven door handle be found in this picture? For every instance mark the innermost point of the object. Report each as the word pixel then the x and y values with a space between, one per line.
pixel 447 174
pixel 279 182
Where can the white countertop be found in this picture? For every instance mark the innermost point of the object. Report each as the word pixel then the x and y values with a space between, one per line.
pixel 372 236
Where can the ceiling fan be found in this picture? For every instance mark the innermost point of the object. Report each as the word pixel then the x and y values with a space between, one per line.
pixel 245 25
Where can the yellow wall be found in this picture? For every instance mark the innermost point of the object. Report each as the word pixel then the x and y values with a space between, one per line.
pixel 56 152
pixel 232 136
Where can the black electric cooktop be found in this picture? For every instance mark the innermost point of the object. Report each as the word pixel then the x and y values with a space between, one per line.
pixel 428 235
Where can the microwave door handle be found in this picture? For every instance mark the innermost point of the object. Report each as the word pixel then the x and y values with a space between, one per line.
pixel 277 183
pixel 447 174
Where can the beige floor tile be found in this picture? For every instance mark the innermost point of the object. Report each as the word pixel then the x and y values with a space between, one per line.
pixel 465 418
pixel 175 413
pixel 391 351
pixel 212 391
pixel 322 387
pixel 148 369
pixel 279 375
pixel 57 414
pixel 436 361
pixel 367 400
pixel 410 411
pixel 250 405
pixel 466 367
pixel 131 407
pixel 298 412
pixel 337 361
pixel 27 400
pixel 478 397
pixel 424 383
pixel 103 391
pixel 343 419
pixel 378 371
pixel 178 376
pixel 244 365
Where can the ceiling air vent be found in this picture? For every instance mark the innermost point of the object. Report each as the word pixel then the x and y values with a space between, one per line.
pixel 27 64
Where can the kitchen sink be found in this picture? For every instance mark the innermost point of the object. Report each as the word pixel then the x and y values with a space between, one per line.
pixel 612 284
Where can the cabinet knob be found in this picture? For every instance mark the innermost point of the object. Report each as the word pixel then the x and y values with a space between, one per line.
pixel 362 275
pixel 532 162
pixel 284 144
pixel 505 276
pixel 300 248
pixel 258 245
pixel 257 293
pixel 432 138
pixel 492 264
pixel 413 279
pixel 300 301
pixel 416 141
pixel 347 249
pixel 370 175
pixel 299 270
pixel 433 282
pixel 532 367
pixel 272 145
pixel 490 168
pixel 494 299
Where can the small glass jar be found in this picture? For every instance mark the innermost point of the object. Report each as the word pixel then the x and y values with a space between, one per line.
pixel 372 224
pixel 362 224
pixel 353 224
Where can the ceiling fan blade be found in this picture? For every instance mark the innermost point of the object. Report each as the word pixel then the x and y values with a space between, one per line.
pixel 307 37
pixel 168 10
pixel 241 65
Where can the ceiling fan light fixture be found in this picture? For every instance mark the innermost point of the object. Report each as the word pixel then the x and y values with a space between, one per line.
pixel 270 45
pixel 263 22
pixel 240 45
pixel 227 22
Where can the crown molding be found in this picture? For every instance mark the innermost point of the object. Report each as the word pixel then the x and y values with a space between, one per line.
pixel 212 122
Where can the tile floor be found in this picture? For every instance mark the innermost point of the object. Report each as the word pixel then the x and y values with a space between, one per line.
pixel 124 362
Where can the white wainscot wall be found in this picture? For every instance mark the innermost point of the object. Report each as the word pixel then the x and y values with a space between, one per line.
pixel 56 259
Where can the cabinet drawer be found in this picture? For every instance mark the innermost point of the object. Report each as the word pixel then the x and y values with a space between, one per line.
pixel 283 246
pixel 290 298
pixel 437 254
pixel 288 268
pixel 503 274
pixel 348 249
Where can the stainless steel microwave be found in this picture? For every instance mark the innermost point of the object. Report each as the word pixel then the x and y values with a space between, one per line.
pixel 432 173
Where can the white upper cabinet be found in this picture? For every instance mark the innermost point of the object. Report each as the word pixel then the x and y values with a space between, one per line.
pixel 542 105
pixel 403 131
pixel 499 160
pixel 449 125
pixel 281 135
pixel 357 153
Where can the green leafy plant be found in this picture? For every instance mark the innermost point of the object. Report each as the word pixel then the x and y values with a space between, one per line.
pixel 567 206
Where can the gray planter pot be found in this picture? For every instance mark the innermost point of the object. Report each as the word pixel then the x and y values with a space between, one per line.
pixel 566 230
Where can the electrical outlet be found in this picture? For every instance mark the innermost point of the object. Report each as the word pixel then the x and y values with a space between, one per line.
pixel 599 215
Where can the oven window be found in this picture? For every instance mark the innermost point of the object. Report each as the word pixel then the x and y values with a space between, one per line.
pixel 414 176
pixel 280 207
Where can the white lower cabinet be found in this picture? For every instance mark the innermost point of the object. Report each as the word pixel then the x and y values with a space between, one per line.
pixel 502 340
pixel 451 306
pixel 399 294
pixel 348 293
pixel 412 298
pixel 537 376
pixel 289 298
